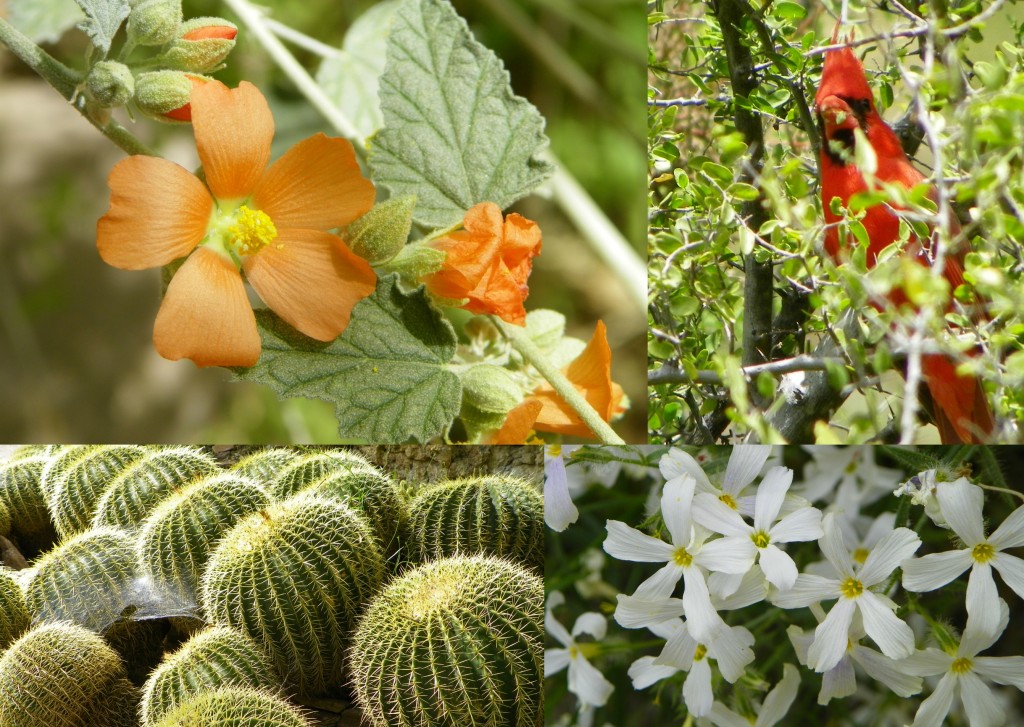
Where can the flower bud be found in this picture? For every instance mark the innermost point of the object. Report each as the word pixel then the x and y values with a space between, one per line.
pixel 202 45
pixel 154 22
pixel 110 83
pixel 488 394
pixel 380 234
pixel 165 95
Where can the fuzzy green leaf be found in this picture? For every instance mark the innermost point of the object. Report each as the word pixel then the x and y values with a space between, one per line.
pixel 102 19
pixel 44 21
pixel 386 374
pixel 454 133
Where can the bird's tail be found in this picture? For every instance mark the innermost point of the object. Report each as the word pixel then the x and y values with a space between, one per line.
pixel 962 412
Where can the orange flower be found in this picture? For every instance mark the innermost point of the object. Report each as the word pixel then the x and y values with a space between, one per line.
pixel 488 262
pixel 545 411
pixel 271 222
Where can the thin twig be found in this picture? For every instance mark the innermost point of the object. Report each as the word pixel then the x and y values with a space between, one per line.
pixel 804 362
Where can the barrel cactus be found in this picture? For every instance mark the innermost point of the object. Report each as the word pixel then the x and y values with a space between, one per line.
pixel 87 579
pixel 263 465
pixel 14 616
pixel 176 539
pixel 492 514
pixel 22 494
pixel 82 479
pixel 59 675
pixel 455 642
pixel 138 489
pixel 217 657
pixel 234 707
pixel 312 466
pixel 295 576
pixel 5 519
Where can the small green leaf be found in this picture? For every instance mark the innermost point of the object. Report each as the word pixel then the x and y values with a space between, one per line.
pixel 788 10
pixel 351 78
pixel 386 375
pixel 744 191
pixel 102 19
pixel 454 133
pixel 44 21
pixel 414 261
pixel 381 233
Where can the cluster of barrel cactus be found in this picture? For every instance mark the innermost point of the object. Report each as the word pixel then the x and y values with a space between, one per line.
pixel 164 588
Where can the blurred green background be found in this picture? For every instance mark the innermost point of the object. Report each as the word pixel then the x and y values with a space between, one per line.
pixel 76 359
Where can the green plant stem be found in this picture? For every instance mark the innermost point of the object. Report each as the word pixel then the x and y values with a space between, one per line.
pixel 522 343
pixel 67 82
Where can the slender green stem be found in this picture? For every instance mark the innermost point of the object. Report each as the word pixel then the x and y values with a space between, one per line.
pixel 522 343
pixel 67 82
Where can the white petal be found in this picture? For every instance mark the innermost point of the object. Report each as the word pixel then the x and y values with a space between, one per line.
pixel 770 494
pixel 667 629
pixel 808 589
pixel 555 660
pixel 831 637
pixel 745 464
pixel 981 595
pixel 731 649
pixel 927 663
pixel 554 627
pixel 884 523
pixel 701 617
pixel 833 547
pixel 626 543
pixel 883 669
pixel 587 683
pixel 798 526
pixel 718 517
pixel 697 689
pixel 935 569
pixel 722 716
pixel 1010 533
pixel 1001 669
pixel 801 641
pixel 590 623
pixel 778 568
pixel 752 588
pixel 677 463
pixel 676 502
pixel 933 711
pixel 982 708
pixel 1011 568
pixel 644 672
pixel 888 553
pixel 637 612
pixel 559 510
pixel 838 682
pixel 893 636
pixel 728 555
pixel 960 503
pixel 779 699
pixel 662 583
pixel 678 651
pixel 973 640
pixel 724 585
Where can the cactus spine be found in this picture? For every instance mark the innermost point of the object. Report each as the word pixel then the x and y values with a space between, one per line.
pixel 304 470
pixel 455 642
pixel 217 657
pixel 86 580
pixel 81 479
pixel 263 465
pixel 58 675
pixel 178 536
pixel 139 488
pixel 21 492
pixel 294 576
pixel 14 616
pixel 495 515
pixel 234 707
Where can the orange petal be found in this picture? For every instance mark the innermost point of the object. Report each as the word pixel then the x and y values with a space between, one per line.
pixel 233 131
pixel 158 213
pixel 206 315
pixel 311 280
pixel 519 423
pixel 315 185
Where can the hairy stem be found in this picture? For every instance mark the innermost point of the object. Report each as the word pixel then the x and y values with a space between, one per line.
pixel 565 388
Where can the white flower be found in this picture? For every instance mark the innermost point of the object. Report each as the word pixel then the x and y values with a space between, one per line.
pixel 759 542
pixel 860 545
pixel 840 680
pixel 683 558
pixel 961 504
pixel 775 706
pixel 851 473
pixel 853 591
pixel 745 464
pixel 921 490
pixel 963 671
pixel 559 510
pixel 585 681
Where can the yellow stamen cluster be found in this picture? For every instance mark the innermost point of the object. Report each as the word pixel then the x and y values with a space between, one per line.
pixel 681 557
pixel 851 588
pixel 860 555
pixel 761 539
pixel 252 231
pixel 983 552
pixel 729 500
pixel 961 665
pixel 700 653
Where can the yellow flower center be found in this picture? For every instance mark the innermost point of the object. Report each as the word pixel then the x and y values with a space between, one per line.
pixel 728 500
pixel 961 665
pixel 851 588
pixel 982 552
pixel 700 653
pixel 555 450
pixel 761 539
pixel 252 231
pixel 860 555
pixel 681 557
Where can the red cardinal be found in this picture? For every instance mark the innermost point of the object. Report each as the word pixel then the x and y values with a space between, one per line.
pixel 844 103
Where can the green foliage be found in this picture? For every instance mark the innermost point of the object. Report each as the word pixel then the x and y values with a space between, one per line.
pixel 490 515
pixel 177 538
pixel 295 577
pixel 216 657
pixel 388 383
pixel 44 21
pixel 87 579
pixel 14 615
pixel 380 234
pixel 133 494
pixel 60 675
pixel 453 642
pixel 234 707
pixel 454 133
